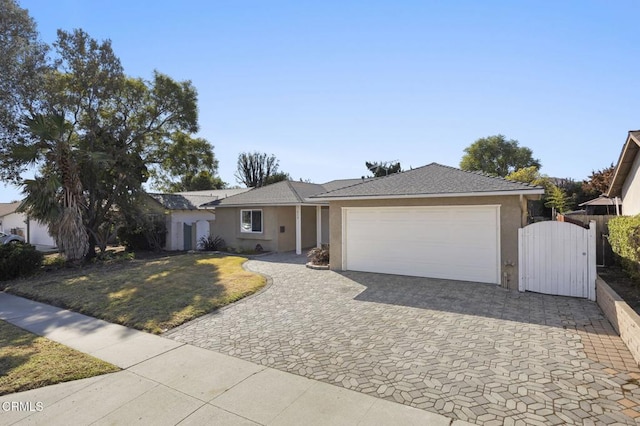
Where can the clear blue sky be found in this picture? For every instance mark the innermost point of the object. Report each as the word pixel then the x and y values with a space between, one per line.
pixel 328 85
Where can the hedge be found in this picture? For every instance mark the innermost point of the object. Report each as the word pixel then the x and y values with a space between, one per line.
pixel 624 237
pixel 18 260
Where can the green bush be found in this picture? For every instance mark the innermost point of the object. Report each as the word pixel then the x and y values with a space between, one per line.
pixel 18 260
pixel 624 237
pixel 144 236
pixel 210 243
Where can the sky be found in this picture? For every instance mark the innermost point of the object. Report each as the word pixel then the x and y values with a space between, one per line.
pixel 327 85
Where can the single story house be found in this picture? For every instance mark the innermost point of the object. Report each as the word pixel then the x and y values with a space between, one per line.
pixel 34 232
pixel 185 217
pixel 626 176
pixel 278 217
pixel 433 221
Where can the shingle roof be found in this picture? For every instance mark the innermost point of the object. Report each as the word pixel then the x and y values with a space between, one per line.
pixel 8 208
pixel 432 179
pixel 284 192
pixel 193 200
pixel 342 183
pixel 173 201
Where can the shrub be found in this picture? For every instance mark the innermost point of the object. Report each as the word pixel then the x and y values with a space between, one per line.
pixel 624 237
pixel 146 235
pixel 319 255
pixel 18 260
pixel 210 243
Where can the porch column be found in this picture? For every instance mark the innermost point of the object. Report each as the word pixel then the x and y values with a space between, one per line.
pixel 298 229
pixel 318 226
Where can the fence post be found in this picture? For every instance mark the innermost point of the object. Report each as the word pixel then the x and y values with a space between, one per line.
pixel 521 261
pixel 591 258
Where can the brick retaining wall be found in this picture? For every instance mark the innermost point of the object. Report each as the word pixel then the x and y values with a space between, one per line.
pixel 624 319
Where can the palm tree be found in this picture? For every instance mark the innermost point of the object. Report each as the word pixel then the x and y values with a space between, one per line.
pixel 56 198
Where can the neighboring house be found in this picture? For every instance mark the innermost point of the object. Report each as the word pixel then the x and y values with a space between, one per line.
pixel 433 221
pixel 602 205
pixel 12 222
pixel 278 217
pixel 185 218
pixel 626 176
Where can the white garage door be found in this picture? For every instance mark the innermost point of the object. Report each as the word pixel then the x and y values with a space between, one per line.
pixel 452 242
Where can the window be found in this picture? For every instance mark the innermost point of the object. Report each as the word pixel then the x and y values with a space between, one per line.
pixel 251 220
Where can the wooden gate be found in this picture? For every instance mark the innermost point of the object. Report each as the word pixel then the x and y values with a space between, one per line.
pixel 558 258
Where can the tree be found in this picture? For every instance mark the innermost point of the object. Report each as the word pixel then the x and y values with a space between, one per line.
pixel 200 182
pixel 380 169
pixel 555 194
pixel 277 177
pixel 530 175
pixel 22 68
pixel 57 198
pixel 557 200
pixel 497 156
pixel 256 168
pixel 117 129
pixel 598 182
pixel 187 163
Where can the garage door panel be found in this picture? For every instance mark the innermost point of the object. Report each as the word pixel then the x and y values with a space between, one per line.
pixel 452 243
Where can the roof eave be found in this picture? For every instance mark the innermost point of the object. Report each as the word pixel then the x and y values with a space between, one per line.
pixel 313 202
pixel 440 195
pixel 623 166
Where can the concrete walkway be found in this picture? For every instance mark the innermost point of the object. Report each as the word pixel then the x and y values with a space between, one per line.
pixel 164 382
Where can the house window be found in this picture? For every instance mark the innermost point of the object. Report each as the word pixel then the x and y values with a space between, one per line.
pixel 251 220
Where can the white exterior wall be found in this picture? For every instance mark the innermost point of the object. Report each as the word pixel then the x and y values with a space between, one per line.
pixel 39 232
pixel 631 190
pixel 175 236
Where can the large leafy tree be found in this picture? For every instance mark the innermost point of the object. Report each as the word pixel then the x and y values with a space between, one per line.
pixel 188 164
pixel 22 68
pixel 497 156
pixel 116 132
pixel 380 169
pixel 256 169
pixel 598 182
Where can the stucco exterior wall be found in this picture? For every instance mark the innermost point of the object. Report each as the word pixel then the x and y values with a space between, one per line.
pixel 175 235
pixel 324 214
pixel 510 222
pixel 35 233
pixel 631 190
pixel 287 218
pixel 227 226
pixel 308 227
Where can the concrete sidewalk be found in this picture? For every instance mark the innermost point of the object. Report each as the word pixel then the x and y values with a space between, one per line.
pixel 164 382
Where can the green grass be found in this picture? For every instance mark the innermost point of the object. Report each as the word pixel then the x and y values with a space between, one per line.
pixel 28 361
pixel 153 295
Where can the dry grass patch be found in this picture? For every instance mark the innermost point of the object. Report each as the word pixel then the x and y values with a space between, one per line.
pixel 28 361
pixel 153 295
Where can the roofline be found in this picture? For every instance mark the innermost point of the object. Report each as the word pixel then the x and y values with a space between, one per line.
pixel 617 181
pixel 309 204
pixel 443 195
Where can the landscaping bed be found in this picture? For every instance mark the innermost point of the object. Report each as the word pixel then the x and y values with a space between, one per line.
pixel 621 283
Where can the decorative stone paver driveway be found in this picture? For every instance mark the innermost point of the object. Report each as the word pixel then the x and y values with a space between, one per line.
pixel 470 351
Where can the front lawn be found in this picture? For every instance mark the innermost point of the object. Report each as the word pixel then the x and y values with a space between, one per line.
pixel 153 295
pixel 28 361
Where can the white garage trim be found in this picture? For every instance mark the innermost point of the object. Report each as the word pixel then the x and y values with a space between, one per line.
pixel 450 242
